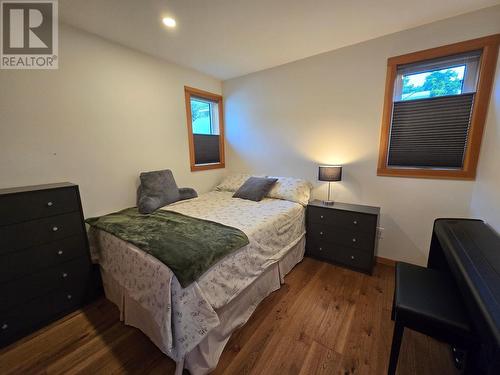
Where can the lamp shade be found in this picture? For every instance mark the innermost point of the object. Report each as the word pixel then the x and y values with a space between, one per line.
pixel 330 173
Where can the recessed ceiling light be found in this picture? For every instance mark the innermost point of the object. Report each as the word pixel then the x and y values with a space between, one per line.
pixel 169 21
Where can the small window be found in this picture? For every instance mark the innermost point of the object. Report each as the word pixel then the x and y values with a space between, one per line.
pixel 205 129
pixel 432 83
pixel 453 75
pixel 435 108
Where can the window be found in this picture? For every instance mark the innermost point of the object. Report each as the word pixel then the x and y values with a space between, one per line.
pixel 205 129
pixel 435 108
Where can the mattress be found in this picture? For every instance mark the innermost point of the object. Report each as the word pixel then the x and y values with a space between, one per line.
pixel 185 315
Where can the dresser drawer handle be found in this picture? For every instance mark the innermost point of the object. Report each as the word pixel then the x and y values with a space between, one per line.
pixel 50 204
pixel 355 222
pixel 5 326
pixel 60 252
pixel 64 275
pixel 55 229
pixel 353 240
pixel 69 296
pixel 353 257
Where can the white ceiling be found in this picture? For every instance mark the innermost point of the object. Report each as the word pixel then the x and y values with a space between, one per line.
pixel 229 38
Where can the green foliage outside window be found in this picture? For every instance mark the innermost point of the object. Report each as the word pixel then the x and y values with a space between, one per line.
pixel 200 117
pixel 431 84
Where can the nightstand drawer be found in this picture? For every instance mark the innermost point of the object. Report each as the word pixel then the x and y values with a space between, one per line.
pixel 350 220
pixel 321 250
pixel 341 236
pixel 353 258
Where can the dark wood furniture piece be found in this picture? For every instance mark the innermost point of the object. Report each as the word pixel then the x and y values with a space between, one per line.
pixel 344 234
pixel 469 250
pixel 428 301
pixel 45 268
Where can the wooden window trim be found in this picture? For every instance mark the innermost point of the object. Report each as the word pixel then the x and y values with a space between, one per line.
pixel 489 46
pixel 192 92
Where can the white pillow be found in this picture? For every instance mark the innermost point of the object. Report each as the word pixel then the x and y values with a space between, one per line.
pixel 233 182
pixel 291 189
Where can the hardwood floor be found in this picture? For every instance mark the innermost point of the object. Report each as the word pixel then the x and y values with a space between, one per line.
pixel 324 320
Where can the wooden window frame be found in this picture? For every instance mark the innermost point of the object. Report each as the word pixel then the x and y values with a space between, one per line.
pixel 489 46
pixel 196 93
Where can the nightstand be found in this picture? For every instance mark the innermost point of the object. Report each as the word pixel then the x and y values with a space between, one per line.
pixel 342 233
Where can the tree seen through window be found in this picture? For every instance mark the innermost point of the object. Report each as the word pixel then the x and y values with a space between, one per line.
pixel 430 84
pixel 201 117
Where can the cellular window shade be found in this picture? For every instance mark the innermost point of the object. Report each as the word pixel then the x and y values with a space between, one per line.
pixel 206 148
pixel 430 132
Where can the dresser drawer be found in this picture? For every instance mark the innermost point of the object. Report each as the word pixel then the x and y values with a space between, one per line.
pixel 32 233
pixel 15 208
pixel 323 233
pixel 352 221
pixel 66 275
pixel 25 262
pixel 322 250
pixel 24 319
pixel 20 321
pixel 348 256
pixel 353 258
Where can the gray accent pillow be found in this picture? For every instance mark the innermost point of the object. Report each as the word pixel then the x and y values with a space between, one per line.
pixel 158 188
pixel 255 188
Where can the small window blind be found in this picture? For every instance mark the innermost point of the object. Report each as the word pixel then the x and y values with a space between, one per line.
pixel 206 148
pixel 430 132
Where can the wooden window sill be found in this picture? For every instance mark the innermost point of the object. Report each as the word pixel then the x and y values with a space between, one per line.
pixel 205 167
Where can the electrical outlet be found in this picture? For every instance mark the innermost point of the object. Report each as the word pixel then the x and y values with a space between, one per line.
pixel 380 233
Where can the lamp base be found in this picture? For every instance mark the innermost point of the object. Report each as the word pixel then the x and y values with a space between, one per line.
pixel 328 203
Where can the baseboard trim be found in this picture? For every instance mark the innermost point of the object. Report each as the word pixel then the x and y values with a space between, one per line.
pixel 386 261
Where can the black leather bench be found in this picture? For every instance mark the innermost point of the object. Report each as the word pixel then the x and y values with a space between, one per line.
pixel 428 301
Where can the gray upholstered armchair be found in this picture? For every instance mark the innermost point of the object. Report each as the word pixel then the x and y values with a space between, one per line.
pixel 157 189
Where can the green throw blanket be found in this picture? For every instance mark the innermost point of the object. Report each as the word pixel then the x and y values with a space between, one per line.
pixel 187 245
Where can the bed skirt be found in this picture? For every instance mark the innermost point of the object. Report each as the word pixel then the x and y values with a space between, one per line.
pixel 205 356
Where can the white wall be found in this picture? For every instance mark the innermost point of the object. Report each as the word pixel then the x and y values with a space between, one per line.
pixel 327 109
pixel 486 194
pixel 107 114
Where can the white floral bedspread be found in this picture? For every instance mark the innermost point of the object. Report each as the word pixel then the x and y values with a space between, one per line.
pixel 186 315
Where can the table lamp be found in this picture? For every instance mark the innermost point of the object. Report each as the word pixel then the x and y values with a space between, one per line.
pixel 329 173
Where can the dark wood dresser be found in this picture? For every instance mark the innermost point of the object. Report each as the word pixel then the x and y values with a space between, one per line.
pixel 344 234
pixel 45 268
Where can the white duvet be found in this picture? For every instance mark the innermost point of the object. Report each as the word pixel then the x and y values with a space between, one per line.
pixel 185 315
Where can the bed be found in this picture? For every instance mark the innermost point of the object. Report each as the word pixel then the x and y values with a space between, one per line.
pixel 193 324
